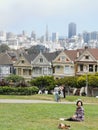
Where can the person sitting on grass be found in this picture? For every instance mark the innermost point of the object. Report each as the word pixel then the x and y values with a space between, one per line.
pixel 79 114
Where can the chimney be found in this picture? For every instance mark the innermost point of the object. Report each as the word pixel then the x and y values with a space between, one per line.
pixel 86 47
pixel 78 53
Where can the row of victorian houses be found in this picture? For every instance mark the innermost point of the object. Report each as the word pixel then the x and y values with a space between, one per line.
pixel 57 64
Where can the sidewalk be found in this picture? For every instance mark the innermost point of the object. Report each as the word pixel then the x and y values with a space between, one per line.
pixel 31 101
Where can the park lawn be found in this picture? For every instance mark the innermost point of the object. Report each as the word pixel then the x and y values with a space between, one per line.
pixel 39 116
pixel 29 97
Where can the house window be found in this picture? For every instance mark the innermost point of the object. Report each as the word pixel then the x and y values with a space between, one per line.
pixel 81 67
pixel 25 72
pixel 29 72
pixel 41 60
pixel 45 70
pixel 62 58
pixel 37 70
pixel 86 57
pixel 49 71
pixel 95 68
pixel 90 68
pixel 5 70
pixel 19 71
pixel 58 67
pixel 22 61
pixel 67 69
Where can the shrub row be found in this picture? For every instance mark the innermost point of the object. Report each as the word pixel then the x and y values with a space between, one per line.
pixel 6 90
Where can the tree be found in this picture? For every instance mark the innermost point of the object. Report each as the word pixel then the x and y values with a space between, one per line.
pixel 14 78
pixel 93 80
pixel 4 48
pixel 44 83
pixel 37 49
pixel 67 81
pixel 81 81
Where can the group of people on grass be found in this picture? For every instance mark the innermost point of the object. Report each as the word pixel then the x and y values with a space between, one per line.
pixel 59 92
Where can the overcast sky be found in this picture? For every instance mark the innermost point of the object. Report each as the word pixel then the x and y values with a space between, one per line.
pixel 18 15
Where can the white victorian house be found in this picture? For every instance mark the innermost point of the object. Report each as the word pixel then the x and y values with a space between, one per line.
pixel 42 64
pixel 6 65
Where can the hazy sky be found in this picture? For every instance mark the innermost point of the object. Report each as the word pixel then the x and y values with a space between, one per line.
pixel 18 15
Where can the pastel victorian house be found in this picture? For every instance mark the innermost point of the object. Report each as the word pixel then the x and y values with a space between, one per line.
pixel 63 64
pixel 22 66
pixel 87 61
pixel 42 64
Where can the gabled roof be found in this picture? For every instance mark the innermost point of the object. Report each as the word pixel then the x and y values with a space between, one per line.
pixel 51 56
pixel 24 59
pixel 5 59
pixel 30 57
pixel 13 56
pixel 94 52
pixel 48 56
pixel 72 54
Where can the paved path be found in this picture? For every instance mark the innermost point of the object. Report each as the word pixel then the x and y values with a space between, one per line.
pixel 30 101
pixel 37 101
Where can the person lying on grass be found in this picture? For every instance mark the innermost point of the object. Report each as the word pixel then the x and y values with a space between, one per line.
pixel 79 114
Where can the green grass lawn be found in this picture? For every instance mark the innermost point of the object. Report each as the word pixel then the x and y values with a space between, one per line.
pixel 44 116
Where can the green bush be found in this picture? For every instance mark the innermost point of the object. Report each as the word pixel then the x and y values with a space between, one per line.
pixel 14 78
pixel 1 90
pixel 18 90
pixel 6 90
pixel 44 83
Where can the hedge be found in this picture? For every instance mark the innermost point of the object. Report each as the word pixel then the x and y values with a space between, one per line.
pixel 6 90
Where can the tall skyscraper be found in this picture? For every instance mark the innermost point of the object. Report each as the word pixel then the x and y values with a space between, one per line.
pixel 55 37
pixel 47 33
pixel 71 30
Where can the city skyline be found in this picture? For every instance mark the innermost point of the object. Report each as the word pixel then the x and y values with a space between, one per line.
pixel 34 15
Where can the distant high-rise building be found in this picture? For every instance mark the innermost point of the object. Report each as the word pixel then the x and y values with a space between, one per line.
pixel 71 30
pixel 55 37
pixel 93 35
pixel 24 33
pixel 47 33
pixel 86 37
pixel 33 35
